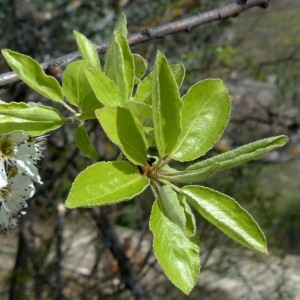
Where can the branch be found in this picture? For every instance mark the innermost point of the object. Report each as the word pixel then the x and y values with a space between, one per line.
pixel 232 9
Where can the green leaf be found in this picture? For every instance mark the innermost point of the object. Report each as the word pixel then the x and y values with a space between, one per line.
pixel 84 143
pixel 144 89
pixel 166 107
pixel 33 75
pixel 187 176
pixel 227 215
pixel 171 207
pixel 74 83
pixel 106 90
pixel 140 67
pixel 106 183
pixel 121 27
pixel 178 211
pixel 87 50
pixel 190 224
pixel 141 111
pixel 33 119
pixel 78 91
pixel 178 71
pixel 177 254
pixel 125 131
pixel 241 154
pixel 205 114
pixel 120 69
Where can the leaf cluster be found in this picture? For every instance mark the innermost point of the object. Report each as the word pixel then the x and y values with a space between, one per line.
pixel 138 110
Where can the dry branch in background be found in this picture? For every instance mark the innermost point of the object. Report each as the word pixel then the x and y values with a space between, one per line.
pixel 232 9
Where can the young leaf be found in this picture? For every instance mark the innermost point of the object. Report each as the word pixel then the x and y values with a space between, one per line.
pixel 140 67
pixel 171 207
pixel 241 154
pixel 106 90
pixel 84 143
pixel 121 66
pixel 227 215
pixel 144 89
pixel 87 50
pixel 33 75
pixel 74 83
pixel 187 176
pixel 166 107
pixel 120 27
pixel 205 113
pixel 177 254
pixel 125 131
pixel 31 118
pixel 106 183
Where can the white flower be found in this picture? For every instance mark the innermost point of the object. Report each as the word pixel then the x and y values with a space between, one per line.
pixel 13 198
pixel 21 150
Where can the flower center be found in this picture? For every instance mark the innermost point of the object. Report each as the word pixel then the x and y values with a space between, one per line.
pixel 6 148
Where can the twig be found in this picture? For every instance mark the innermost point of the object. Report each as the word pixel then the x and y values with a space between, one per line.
pixel 224 12
pixel 128 277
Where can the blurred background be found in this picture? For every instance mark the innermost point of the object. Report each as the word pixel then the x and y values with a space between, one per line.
pixel 65 254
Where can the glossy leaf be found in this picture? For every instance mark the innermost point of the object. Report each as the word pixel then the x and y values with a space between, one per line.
pixel 87 50
pixel 121 66
pixel 29 71
pixel 125 131
pixel 106 183
pixel 84 143
pixel 177 254
pixel 241 155
pixel 166 107
pixel 227 215
pixel 144 89
pixel 106 90
pixel 31 118
pixel 205 114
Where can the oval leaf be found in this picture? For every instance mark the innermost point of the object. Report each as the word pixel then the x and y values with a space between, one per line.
pixel 125 131
pixel 166 107
pixel 106 90
pixel 227 215
pixel 84 143
pixel 205 114
pixel 33 75
pixel 106 183
pixel 177 254
pixel 33 119
pixel 87 50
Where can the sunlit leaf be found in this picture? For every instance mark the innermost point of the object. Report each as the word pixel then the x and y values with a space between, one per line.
pixel 33 75
pixel 87 50
pixel 125 131
pixel 106 183
pixel 31 118
pixel 227 215
pixel 106 90
pixel 205 114
pixel 177 254
pixel 166 107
